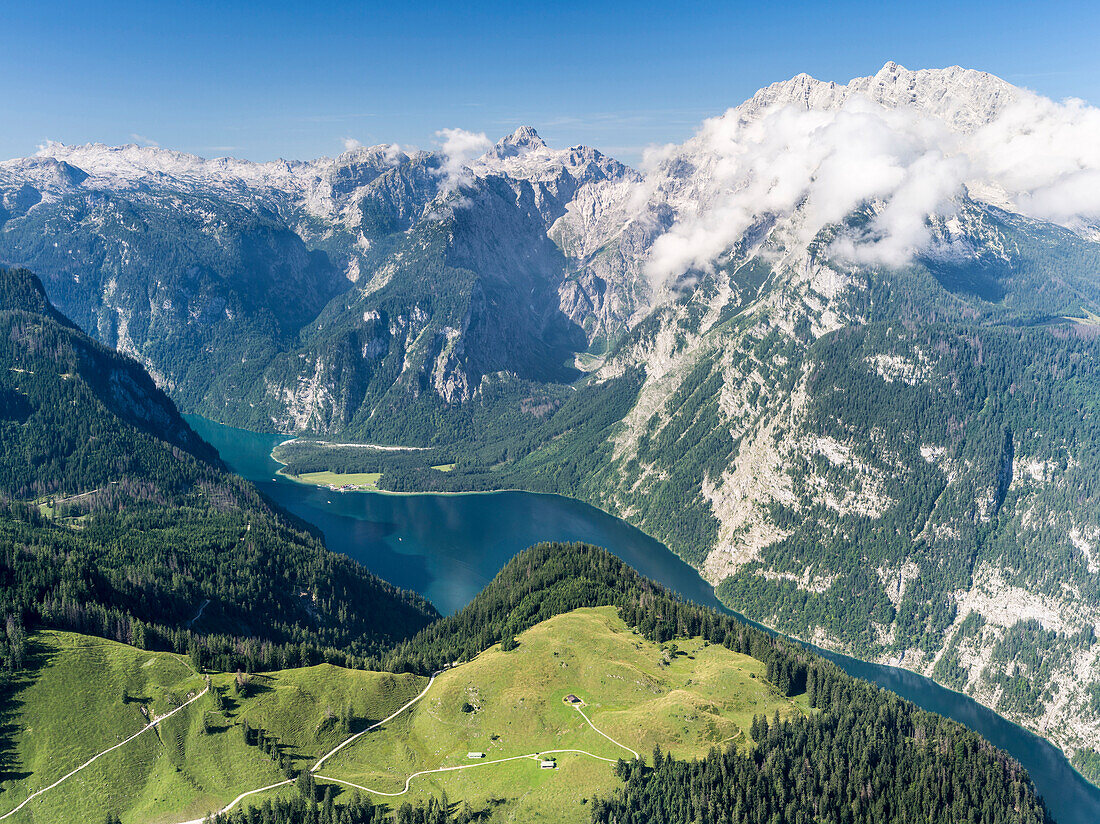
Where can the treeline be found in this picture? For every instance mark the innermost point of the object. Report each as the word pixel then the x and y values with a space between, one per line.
pixel 140 577
pixel 554 578
pixel 13 645
pixel 316 805
pixel 867 758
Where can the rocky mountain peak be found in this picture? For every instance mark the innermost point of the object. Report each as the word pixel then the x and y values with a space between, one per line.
pixel 46 172
pixel 525 137
pixel 964 99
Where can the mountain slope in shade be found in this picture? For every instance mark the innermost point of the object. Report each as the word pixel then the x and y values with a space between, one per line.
pixel 118 520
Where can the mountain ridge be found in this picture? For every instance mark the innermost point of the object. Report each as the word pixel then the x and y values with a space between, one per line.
pixel 963 98
pixel 502 307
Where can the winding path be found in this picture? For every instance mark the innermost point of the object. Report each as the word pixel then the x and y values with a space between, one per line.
pixel 374 726
pixel 408 781
pixel 329 754
pixel 534 755
pixel 605 735
pixel 321 760
pixel 99 755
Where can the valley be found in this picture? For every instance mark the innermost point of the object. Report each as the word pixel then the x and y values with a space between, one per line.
pixel 442 547
pixel 830 364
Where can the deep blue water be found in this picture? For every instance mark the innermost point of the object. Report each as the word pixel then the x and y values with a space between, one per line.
pixel 447 547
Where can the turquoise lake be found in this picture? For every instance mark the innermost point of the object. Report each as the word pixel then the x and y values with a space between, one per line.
pixel 447 547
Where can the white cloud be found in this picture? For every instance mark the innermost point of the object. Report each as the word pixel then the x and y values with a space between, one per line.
pixel 1045 156
pixel 458 148
pixel 816 167
pixel 144 141
pixel 350 143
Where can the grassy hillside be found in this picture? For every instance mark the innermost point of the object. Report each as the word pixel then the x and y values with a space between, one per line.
pixel 685 697
pixel 692 698
pixel 81 695
pixel 360 481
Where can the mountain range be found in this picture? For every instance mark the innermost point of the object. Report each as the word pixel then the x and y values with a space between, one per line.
pixel 838 349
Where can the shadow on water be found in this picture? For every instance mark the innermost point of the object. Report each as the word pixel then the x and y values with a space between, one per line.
pixel 448 547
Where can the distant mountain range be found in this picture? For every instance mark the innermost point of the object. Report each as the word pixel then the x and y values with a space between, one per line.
pixel 838 349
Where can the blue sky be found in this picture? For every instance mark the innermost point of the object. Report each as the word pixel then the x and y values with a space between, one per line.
pixel 267 80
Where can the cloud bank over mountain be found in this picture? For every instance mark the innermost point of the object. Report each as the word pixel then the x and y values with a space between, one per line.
pixel 798 157
pixel 458 148
pixel 907 144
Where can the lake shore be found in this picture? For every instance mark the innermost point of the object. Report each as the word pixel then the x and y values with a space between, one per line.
pixel 448 545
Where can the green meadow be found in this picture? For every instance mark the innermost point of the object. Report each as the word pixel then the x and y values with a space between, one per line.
pixel 83 695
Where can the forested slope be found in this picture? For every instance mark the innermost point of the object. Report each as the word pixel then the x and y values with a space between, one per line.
pixel 861 755
pixel 898 463
pixel 119 521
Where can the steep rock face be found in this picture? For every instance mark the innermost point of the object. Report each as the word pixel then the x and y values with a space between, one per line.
pixel 964 99
pixel 863 413
pixel 467 284
pixel 461 296
pixel 583 197
pixel 233 281
pixel 861 457
pixel 187 284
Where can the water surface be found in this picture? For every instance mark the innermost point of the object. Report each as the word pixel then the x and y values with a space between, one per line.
pixel 448 547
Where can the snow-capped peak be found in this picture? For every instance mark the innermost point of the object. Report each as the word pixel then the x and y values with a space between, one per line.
pixel 964 99
pixel 130 165
pixel 523 138
pixel 322 185
pixel 44 172
pixel 805 153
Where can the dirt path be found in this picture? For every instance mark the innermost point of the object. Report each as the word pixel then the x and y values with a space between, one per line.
pixel 99 755
pixel 374 726
pixel 605 735
pixel 537 756
pixel 408 781
pixel 236 801
pixel 78 496
pixel 533 755
pixel 320 761
pixel 333 751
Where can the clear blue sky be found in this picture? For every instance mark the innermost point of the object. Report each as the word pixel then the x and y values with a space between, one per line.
pixel 267 80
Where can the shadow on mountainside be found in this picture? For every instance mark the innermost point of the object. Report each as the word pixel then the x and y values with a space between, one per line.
pixel 37 657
